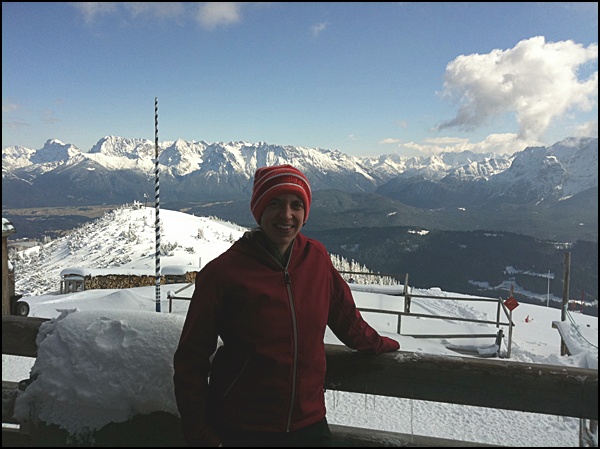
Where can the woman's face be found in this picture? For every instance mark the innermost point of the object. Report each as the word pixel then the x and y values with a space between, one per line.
pixel 283 219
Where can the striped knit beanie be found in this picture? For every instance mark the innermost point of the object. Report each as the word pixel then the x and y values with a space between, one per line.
pixel 270 182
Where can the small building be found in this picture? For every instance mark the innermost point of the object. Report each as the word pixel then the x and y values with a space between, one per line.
pixel 71 283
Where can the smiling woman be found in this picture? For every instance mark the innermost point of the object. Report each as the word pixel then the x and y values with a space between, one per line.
pixel 269 298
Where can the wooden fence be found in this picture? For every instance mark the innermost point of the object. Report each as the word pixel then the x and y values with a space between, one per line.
pixel 501 384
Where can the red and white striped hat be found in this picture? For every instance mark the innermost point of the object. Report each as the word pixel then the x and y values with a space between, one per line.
pixel 270 182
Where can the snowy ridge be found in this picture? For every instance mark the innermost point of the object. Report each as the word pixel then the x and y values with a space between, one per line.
pixel 123 241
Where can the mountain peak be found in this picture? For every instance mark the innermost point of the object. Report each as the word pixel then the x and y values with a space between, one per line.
pixel 54 151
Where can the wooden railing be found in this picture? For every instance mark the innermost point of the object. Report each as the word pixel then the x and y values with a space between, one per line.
pixel 493 383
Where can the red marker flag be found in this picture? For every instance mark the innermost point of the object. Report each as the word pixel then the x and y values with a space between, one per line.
pixel 511 303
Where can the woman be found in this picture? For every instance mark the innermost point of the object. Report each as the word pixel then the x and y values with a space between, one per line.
pixel 268 299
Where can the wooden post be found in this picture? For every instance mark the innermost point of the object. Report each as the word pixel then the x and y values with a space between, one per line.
pixel 565 304
pixel 406 295
pixel 406 305
pixel 510 327
pixel 498 311
pixel 510 323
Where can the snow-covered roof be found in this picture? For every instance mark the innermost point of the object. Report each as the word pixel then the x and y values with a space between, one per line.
pixel 177 270
pixel 7 228
pixel 165 271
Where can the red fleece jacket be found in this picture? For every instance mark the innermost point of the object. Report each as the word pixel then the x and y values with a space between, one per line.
pixel 269 373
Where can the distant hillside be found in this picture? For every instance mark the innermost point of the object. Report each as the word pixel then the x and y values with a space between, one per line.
pixel 570 220
pixel 473 262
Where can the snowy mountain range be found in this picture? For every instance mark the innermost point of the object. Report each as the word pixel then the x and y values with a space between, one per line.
pixel 119 170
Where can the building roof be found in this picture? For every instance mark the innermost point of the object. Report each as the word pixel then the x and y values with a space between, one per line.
pixel 7 228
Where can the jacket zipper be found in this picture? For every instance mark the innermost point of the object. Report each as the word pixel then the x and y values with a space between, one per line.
pixel 288 284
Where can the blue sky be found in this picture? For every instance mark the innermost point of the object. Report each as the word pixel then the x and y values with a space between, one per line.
pixel 363 78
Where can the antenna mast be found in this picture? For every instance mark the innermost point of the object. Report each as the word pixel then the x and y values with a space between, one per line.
pixel 157 205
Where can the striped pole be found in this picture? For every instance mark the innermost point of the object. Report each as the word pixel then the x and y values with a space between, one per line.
pixel 157 205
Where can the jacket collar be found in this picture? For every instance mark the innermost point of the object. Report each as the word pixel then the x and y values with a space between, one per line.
pixel 258 236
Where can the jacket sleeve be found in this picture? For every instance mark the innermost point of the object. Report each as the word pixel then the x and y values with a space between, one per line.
pixel 191 361
pixel 349 326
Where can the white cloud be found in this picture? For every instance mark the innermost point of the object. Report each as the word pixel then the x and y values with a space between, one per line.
pixel 213 14
pixel 14 123
pixel 9 118
pixel 494 143
pixel 388 141
pixel 10 107
pixel 157 9
pixel 537 81
pixel 318 28
pixel 588 129
pixel 208 14
pixel 49 116
pixel 91 10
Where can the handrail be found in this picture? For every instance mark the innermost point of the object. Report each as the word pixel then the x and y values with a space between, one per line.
pixel 503 384
pixel 530 387
pixel 493 383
